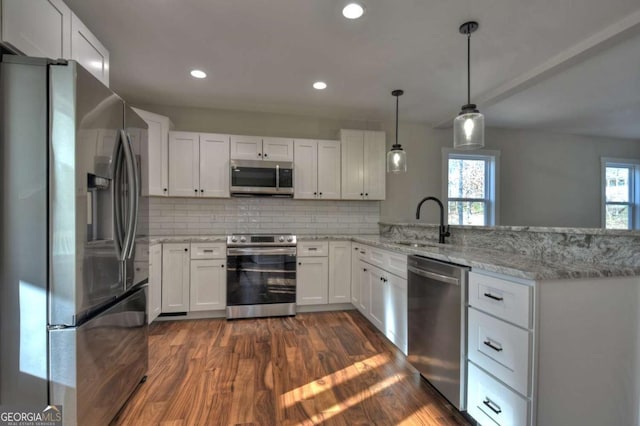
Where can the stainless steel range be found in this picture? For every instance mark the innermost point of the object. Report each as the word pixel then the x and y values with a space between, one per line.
pixel 261 275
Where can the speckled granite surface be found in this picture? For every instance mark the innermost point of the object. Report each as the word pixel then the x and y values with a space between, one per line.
pixel 496 259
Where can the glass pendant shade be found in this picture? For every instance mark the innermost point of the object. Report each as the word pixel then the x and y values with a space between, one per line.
pixel 396 160
pixel 468 130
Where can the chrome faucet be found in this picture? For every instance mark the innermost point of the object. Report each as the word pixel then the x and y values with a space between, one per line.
pixel 443 231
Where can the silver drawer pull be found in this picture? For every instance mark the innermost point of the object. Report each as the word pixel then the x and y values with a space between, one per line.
pixel 492 346
pixel 492 406
pixel 491 296
pixel 208 251
pixel 312 248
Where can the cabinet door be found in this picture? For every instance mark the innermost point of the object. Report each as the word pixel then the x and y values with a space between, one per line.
pixel 374 165
pixel 329 170
pixel 246 147
pixel 396 311
pixel 378 293
pixel 365 288
pixel 306 169
pixel 175 277
pixel 312 281
pixel 88 51
pixel 156 168
pixel 154 295
pixel 37 28
pixel 214 165
pixel 352 164
pixel 184 172
pixel 208 290
pixel 277 149
pixel 355 274
pixel 339 272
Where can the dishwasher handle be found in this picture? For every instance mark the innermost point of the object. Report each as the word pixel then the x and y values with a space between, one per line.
pixel 434 276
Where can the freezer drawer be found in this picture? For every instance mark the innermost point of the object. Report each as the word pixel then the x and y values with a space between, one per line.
pixel 96 367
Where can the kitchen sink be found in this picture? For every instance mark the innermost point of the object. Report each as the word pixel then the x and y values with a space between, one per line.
pixel 418 245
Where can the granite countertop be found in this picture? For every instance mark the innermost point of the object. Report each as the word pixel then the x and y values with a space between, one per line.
pixel 500 262
pixel 512 264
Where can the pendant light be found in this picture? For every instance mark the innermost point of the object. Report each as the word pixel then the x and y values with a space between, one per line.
pixel 468 126
pixel 397 158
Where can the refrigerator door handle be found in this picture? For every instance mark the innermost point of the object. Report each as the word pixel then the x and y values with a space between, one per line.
pixel 132 196
pixel 117 198
pixel 135 199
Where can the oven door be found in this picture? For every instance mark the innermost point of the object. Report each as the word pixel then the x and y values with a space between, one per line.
pixel 261 275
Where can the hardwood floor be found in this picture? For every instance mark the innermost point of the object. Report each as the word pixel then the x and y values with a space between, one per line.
pixel 329 368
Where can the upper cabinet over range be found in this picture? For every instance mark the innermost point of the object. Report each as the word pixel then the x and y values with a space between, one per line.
pixel 48 28
pixel 261 148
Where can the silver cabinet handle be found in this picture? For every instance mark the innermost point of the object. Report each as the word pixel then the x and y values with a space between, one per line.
pixel 434 276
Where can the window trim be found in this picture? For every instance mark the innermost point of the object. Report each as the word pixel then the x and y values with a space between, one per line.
pixel 634 191
pixel 492 180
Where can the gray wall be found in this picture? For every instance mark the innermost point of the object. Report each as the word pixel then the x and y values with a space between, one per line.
pixel 546 179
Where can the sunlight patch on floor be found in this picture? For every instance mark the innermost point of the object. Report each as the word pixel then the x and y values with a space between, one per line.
pixel 314 388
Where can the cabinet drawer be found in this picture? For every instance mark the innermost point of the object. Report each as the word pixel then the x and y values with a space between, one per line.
pixel 377 257
pixel 313 248
pixel 208 250
pixel 364 253
pixel 489 402
pixel 505 299
pixel 500 348
pixel 396 264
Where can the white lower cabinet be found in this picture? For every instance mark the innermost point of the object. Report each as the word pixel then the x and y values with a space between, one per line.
pixel 175 277
pixel 382 294
pixel 339 271
pixel 208 285
pixel 154 295
pixel 312 277
pixel 491 403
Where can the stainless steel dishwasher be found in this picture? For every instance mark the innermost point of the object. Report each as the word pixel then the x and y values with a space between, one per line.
pixel 437 296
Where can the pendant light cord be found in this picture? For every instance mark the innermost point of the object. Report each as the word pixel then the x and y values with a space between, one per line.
pixel 397 100
pixel 468 68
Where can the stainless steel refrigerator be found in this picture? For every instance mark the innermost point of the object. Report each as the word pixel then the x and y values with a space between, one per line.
pixel 74 272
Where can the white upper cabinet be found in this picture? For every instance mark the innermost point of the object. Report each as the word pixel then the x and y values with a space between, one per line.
pixel 306 169
pixel 48 28
pixel 363 164
pixel 156 170
pixel 277 149
pixel 246 147
pixel 198 164
pixel 37 28
pixel 317 169
pixel 88 51
pixel 183 164
pixel 258 148
pixel 214 165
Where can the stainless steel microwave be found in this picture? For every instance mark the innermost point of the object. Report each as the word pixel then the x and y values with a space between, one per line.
pixel 260 177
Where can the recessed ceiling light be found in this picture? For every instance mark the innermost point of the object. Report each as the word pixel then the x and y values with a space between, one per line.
pixel 319 85
pixel 198 74
pixel 353 11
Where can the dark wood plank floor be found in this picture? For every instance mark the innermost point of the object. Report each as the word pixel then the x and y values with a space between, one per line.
pixel 320 368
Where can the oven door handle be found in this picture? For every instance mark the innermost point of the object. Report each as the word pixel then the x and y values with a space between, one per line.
pixel 250 251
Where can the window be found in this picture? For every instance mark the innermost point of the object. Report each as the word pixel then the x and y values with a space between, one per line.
pixel 620 181
pixel 470 185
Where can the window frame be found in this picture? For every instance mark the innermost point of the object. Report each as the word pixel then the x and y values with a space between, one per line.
pixel 492 181
pixel 633 165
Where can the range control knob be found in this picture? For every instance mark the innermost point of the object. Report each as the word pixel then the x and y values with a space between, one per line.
pixel 289 238
pixel 243 239
pixel 234 239
pixel 281 239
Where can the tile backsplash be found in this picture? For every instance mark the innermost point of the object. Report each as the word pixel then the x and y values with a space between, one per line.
pixel 196 216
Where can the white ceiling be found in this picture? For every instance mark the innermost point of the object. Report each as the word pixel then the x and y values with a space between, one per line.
pixel 530 61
